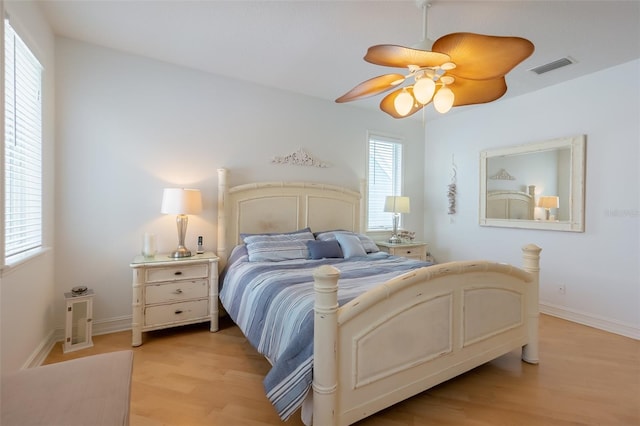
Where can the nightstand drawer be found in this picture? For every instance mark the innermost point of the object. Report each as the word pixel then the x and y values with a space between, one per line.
pixel 175 312
pixel 173 273
pixel 418 252
pixel 411 250
pixel 175 291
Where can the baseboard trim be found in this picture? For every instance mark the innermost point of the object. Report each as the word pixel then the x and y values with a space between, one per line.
pixel 42 351
pixel 606 324
pixel 112 325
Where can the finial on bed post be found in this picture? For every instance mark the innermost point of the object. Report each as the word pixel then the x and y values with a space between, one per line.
pixel 325 368
pixel 531 264
pixel 222 218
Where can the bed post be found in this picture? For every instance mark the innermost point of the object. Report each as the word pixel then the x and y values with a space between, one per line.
pixel 222 219
pixel 325 369
pixel 531 264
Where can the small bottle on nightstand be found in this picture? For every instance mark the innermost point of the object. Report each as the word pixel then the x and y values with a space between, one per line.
pixel 200 248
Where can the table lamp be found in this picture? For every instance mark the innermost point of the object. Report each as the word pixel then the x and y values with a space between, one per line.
pixel 549 202
pixel 396 205
pixel 181 202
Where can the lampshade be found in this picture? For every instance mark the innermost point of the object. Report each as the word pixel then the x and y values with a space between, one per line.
pixel 423 90
pixel 443 100
pixel 396 204
pixel 549 202
pixel 181 201
pixel 403 102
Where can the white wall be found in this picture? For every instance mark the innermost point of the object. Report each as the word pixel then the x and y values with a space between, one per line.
pixel 27 292
pixel 600 267
pixel 129 126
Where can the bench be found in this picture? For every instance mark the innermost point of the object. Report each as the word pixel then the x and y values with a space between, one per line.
pixel 93 390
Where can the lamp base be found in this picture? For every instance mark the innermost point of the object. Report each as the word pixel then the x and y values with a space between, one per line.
pixel 395 239
pixel 180 252
pixel 394 235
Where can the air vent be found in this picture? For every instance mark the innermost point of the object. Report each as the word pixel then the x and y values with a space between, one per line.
pixel 552 65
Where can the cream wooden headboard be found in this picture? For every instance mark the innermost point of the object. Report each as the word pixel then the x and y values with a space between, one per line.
pixel 282 207
pixel 511 204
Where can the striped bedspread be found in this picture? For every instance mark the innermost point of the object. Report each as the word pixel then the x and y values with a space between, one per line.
pixel 272 303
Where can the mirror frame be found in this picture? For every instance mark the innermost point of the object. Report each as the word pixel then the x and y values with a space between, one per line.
pixel 577 145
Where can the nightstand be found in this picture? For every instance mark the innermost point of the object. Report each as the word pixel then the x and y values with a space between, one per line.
pixel 415 250
pixel 169 292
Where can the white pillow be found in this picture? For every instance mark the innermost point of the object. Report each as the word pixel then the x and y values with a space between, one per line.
pixel 368 244
pixel 351 245
pixel 277 247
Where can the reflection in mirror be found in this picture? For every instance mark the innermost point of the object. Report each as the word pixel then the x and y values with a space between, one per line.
pixel 538 185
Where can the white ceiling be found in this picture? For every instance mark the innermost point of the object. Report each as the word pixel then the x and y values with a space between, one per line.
pixel 315 48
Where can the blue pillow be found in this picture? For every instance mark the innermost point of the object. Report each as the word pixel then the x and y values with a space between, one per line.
pixel 324 249
pixel 351 245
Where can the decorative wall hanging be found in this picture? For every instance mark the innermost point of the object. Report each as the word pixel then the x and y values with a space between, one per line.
pixel 502 175
pixel 451 193
pixel 299 158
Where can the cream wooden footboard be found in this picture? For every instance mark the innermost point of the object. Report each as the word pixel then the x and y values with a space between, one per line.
pixel 417 331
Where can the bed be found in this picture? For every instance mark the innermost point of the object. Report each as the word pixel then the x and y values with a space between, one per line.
pixel 413 328
pixel 507 204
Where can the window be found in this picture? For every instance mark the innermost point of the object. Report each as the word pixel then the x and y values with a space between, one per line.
pixel 23 147
pixel 384 177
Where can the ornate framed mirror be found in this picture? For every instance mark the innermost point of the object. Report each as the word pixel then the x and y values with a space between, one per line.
pixel 538 185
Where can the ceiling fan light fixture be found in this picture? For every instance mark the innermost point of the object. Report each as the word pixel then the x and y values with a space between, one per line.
pixel 448 66
pixel 475 66
pixel 423 90
pixel 403 102
pixel 447 79
pixel 443 100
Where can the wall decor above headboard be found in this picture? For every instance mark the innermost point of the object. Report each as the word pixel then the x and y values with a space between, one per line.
pixel 502 175
pixel 300 158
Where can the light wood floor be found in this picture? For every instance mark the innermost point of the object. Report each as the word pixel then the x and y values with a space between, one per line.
pixel 188 376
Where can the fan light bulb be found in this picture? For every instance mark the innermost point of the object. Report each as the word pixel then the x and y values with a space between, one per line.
pixel 443 100
pixel 423 90
pixel 403 102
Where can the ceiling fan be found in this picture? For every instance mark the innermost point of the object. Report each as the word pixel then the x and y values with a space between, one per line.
pixel 457 69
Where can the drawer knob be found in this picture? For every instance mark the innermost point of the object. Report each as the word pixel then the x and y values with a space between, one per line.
pixel 178 291
pixel 178 311
pixel 178 273
pixel 408 251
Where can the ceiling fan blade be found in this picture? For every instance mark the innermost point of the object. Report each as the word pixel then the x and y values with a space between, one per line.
pixel 471 92
pixel 387 104
pixel 391 55
pixel 483 57
pixel 372 87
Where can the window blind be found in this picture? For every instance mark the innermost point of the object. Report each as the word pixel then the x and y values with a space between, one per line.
pixel 23 146
pixel 384 177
